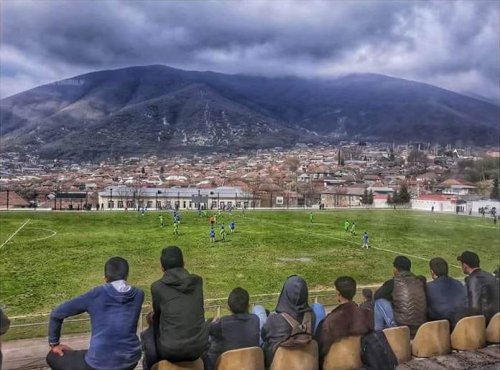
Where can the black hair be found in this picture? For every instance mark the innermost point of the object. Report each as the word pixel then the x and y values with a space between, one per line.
pixel 116 268
pixel 171 257
pixel 238 300
pixel 346 286
pixel 367 293
pixel 402 263
pixel 439 266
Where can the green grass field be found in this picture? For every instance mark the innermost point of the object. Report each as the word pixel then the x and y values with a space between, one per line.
pixel 56 256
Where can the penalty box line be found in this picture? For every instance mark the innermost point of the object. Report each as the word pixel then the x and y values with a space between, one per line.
pixel 15 232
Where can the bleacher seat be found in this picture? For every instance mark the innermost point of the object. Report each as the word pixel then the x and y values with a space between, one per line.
pixel 301 358
pixel 469 333
pixel 432 339
pixel 493 329
pixel 344 355
pixel 188 365
pixel 242 359
pixel 399 340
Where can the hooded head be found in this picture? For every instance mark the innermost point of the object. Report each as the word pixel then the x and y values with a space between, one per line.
pixel 294 296
pixel 171 257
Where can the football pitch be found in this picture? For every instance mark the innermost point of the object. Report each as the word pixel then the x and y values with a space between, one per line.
pixel 48 257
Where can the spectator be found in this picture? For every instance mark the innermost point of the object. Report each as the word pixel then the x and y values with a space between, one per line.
pixel 446 296
pixel 239 330
pixel 401 300
pixel 345 320
pixel 483 296
pixel 179 332
pixel 293 301
pixel 114 310
pixel 368 299
pixel 4 326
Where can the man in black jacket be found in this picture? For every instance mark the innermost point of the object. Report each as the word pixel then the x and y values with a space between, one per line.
pixel 239 330
pixel 178 332
pixel 446 297
pixel 483 296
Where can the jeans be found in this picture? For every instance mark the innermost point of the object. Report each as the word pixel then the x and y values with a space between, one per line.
pixel 260 311
pixel 319 312
pixel 384 314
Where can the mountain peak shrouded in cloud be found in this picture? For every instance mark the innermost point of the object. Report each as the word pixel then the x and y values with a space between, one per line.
pixel 454 45
pixel 161 110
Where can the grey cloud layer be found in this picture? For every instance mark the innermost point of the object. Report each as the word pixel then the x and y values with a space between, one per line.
pixel 452 44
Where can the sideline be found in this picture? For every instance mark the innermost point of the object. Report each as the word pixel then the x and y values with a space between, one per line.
pixel 15 232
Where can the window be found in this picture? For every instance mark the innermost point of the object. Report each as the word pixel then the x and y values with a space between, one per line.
pixel 238 204
pixel 120 204
pixel 111 204
pixel 150 204
pixel 158 204
pixel 130 204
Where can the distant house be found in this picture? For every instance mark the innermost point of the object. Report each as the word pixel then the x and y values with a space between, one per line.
pixel 304 178
pixel 342 197
pixel 10 199
pixel 455 187
pixel 440 202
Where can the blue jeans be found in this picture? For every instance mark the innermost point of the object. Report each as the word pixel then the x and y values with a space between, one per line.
pixel 319 313
pixel 262 315
pixel 384 315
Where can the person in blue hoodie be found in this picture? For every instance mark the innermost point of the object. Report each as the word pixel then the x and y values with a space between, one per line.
pixel 114 310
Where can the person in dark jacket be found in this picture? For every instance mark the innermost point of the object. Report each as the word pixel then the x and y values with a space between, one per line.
pixel 4 326
pixel 401 300
pixel 446 296
pixel 347 319
pixel 178 332
pixel 114 310
pixel 293 300
pixel 483 297
pixel 239 330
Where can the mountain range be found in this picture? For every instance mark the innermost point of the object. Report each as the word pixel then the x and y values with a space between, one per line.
pixel 161 110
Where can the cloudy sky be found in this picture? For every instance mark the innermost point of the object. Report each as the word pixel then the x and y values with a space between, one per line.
pixel 452 44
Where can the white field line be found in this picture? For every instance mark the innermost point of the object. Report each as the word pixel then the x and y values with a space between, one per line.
pixel 352 242
pixel 43 237
pixel 15 232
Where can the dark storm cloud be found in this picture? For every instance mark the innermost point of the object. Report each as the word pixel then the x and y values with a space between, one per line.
pixel 452 44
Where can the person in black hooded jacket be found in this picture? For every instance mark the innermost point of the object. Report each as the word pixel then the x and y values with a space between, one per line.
pixel 293 300
pixel 178 332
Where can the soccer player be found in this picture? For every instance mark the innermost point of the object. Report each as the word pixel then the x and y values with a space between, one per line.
pixel 176 228
pixel 311 217
pixel 232 226
pixel 212 234
pixel 222 232
pixel 353 229
pixel 161 220
pixel 365 240
pixel 346 226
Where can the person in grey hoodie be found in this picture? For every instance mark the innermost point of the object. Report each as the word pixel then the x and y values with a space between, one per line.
pixel 179 331
pixel 293 300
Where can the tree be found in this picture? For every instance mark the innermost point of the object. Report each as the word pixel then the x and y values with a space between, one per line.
pixel 404 195
pixel 389 199
pixel 364 197
pixel 162 169
pixel 395 197
pixel 370 197
pixel 494 191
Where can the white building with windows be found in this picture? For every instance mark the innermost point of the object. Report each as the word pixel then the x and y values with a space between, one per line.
pixel 125 197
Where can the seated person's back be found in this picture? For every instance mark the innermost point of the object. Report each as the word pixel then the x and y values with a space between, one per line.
pixel 483 289
pixel 178 312
pixel 446 297
pixel 293 301
pixel 114 310
pixel 347 319
pixel 239 330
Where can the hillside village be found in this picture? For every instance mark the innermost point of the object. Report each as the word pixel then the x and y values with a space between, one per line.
pixel 348 175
